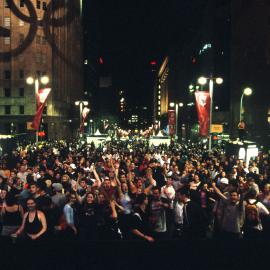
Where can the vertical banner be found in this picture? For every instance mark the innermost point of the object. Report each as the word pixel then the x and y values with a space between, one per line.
pixel 41 96
pixel 84 115
pixel 203 101
pixel 171 122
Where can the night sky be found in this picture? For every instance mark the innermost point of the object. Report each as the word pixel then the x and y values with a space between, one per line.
pixel 129 34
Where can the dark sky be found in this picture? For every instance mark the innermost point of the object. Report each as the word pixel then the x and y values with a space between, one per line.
pixel 129 34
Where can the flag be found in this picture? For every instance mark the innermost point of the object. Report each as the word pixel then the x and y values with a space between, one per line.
pixel 41 96
pixel 84 115
pixel 203 108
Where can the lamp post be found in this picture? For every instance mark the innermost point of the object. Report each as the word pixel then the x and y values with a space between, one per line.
pixel 247 92
pixel 37 81
pixel 212 80
pixel 81 103
pixel 176 105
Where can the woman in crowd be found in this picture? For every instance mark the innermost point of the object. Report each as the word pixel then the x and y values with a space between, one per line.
pixel 34 225
pixel 12 215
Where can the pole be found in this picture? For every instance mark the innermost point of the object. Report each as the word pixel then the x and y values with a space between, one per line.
pixel 81 109
pixel 36 93
pixel 176 124
pixel 241 106
pixel 211 90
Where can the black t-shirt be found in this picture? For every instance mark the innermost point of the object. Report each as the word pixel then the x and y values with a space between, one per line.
pixel 88 216
pixel 139 221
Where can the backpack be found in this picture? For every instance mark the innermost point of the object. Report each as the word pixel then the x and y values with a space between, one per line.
pixel 252 214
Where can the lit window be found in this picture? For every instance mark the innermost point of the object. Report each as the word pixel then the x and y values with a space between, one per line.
pixel 7 40
pixel 159 97
pixel 159 108
pixel 158 113
pixel 7 21
pixel 159 102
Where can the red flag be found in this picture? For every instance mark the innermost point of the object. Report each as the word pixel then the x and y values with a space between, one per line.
pixel 171 122
pixel 203 108
pixel 84 115
pixel 42 96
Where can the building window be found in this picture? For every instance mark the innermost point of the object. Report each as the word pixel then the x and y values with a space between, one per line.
pixel 21 92
pixel 7 74
pixel 38 4
pixel 21 3
pixel 44 5
pixel 7 92
pixel 21 109
pixel 7 21
pixel 38 73
pixel 7 40
pixel 21 73
pixel 6 4
pixel 7 109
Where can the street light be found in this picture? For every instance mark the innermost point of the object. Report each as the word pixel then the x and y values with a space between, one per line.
pixel 176 105
pixel 212 80
pixel 247 92
pixel 43 80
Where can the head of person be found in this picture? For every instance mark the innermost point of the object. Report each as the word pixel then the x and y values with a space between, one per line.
pixel 83 183
pixel 90 198
pixel 124 187
pixel 234 196
pixel 169 181
pixel 183 194
pixel 101 198
pixel 72 198
pixel 252 194
pixel 156 193
pixel 11 199
pixel 123 178
pixel 31 204
pixel 107 183
pixel 33 188
pixel 142 199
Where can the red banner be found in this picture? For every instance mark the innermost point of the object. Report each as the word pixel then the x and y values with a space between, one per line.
pixel 203 108
pixel 84 115
pixel 171 117
pixel 171 122
pixel 42 96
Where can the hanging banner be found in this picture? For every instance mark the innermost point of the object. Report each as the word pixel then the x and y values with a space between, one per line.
pixel 171 117
pixel 203 101
pixel 84 115
pixel 41 96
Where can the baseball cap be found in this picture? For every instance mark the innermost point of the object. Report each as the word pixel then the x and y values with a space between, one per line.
pixel 224 181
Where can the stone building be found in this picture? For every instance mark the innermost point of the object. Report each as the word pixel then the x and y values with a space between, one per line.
pixel 40 38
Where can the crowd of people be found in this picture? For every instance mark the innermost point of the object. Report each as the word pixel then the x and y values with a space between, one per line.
pixel 132 191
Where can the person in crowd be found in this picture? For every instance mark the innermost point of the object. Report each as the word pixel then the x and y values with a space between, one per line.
pixel 34 225
pixel 11 215
pixel 233 213
pixel 88 220
pixel 139 225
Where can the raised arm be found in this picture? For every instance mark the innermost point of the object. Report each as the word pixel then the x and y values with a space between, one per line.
pixel 218 192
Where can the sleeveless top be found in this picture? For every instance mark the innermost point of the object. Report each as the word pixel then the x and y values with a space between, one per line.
pixel 12 218
pixel 33 227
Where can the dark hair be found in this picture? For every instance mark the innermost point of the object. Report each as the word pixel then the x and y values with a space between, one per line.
pixel 140 198
pixel 11 199
pixel 184 191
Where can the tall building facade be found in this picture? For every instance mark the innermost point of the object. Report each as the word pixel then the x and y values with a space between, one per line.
pixel 250 65
pixel 40 38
